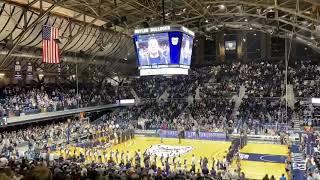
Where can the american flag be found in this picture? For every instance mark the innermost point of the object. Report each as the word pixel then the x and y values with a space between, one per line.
pixel 50 47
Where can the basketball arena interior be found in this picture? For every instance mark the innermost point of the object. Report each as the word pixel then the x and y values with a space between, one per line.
pixel 159 89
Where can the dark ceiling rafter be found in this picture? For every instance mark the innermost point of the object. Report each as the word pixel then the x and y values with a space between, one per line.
pixel 72 37
pixel 97 45
pixel 17 23
pixel 8 20
pixel 33 40
pixel 33 29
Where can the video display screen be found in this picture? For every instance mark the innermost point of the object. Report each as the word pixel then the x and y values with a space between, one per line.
pixel 164 50
pixel 186 50
pixel 230 45
pixel 153 49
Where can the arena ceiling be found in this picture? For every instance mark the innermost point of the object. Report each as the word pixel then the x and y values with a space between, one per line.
pixel 98 32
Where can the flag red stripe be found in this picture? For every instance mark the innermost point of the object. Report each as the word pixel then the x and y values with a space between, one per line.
pixel 43 52
pixel 55 46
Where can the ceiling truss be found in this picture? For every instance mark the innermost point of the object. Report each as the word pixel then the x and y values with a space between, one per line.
pixel 101 29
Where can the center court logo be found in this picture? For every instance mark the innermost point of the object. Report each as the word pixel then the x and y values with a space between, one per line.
pixel 168 151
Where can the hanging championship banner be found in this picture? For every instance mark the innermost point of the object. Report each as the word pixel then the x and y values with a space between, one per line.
pixel 17 69
pixel 29 70
pixel 59 69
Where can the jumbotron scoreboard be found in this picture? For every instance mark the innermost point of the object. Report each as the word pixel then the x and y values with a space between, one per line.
pixel 164 50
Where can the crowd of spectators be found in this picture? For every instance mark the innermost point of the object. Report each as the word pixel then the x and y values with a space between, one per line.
pixel 213 111
pixel 124 92
pixel 16 164
pixel 309 146
pixel 265 110
pixel 182 86
pixel 149 87
pixel 305 77
pixel 17 100
pixel 263 79
pixel 217 90
pixel 70 169
pixel 221 81
pixel 208 114
pixel 152 115
pixel 217 84
pixel 54 132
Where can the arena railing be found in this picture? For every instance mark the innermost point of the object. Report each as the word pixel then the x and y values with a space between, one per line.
pixel 275 139
pixel 14 120
pixel 29 111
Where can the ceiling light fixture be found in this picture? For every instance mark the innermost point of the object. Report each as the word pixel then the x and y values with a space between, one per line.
pixel 222 6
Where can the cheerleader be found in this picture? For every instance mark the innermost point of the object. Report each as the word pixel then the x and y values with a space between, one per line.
pixel 179 164
pixel 185 165
pixel 193 160
pixel 95 154
pixel 111 154
pixel 87 152
pixel 105 155
pixel 116 155
pixel 127 157
pixel 179 160
pixel 122 156
pixel 161 159
pixel 74 152
pixel 174 159
pixel 67 152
